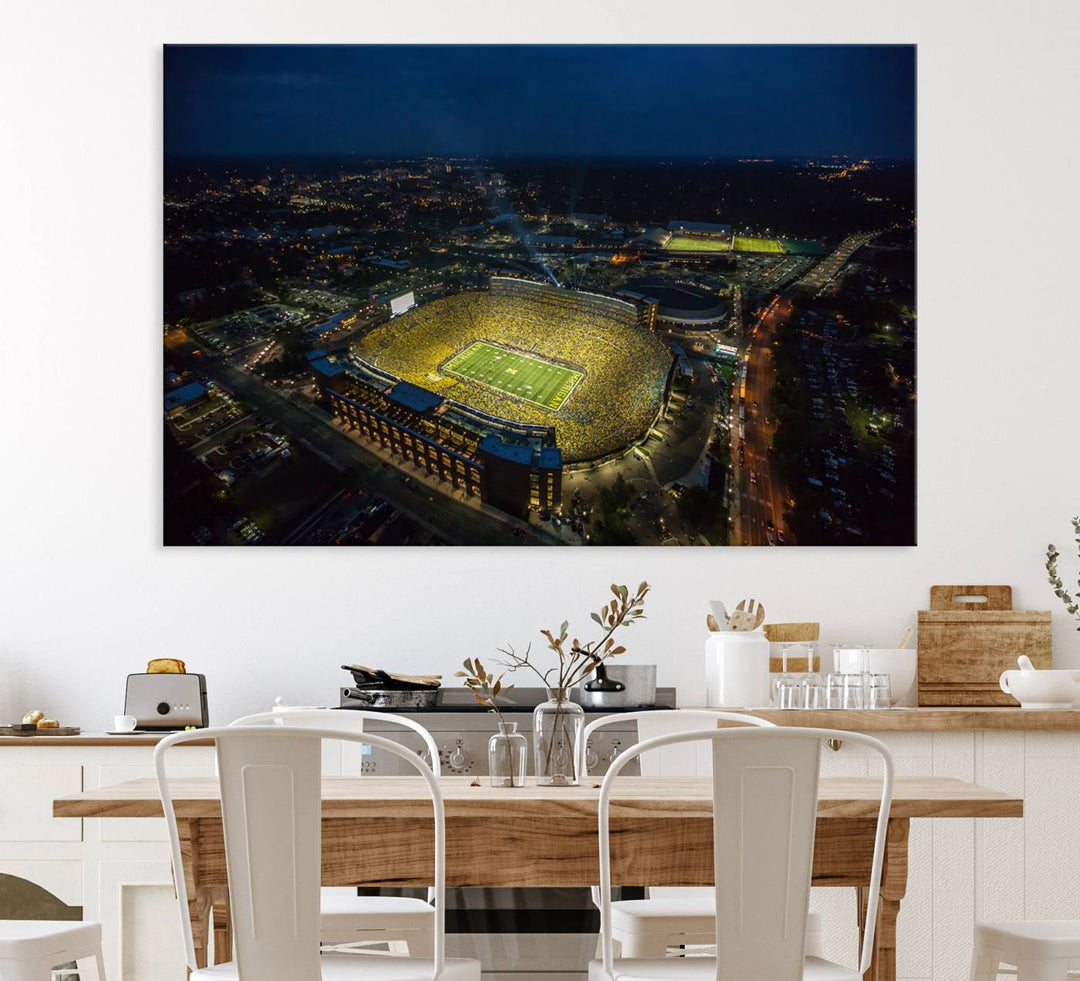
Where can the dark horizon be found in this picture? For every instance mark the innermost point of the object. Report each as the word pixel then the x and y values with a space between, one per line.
pixel 607 102
pixel 282 158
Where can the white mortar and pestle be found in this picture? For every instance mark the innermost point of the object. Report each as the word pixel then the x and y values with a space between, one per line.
pixel 1035 689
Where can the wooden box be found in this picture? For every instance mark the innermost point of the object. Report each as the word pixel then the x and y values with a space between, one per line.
pixel 968 637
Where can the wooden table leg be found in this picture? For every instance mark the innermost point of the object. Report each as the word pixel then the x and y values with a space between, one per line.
pixel 893 889
pixel 222 922
pixel 200 899
pixel 199 914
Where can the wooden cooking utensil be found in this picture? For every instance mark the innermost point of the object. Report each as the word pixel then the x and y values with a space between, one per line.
pixel 748 617
pixel 712 623
pixel 720 614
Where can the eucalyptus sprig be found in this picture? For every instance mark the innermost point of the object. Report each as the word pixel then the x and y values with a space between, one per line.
pixel 577 660
pixel 486 688
pixel 1071 602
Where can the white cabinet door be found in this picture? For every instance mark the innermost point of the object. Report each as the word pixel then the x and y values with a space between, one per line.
pixel 26 803
pixel 140 922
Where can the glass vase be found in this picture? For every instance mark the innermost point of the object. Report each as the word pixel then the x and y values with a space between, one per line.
pixel 557 725
pixel 508 755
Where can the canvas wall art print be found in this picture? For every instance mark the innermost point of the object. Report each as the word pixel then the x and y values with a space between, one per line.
pixel 539 295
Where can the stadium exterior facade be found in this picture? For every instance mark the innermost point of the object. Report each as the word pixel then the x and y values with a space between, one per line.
pixel 511 467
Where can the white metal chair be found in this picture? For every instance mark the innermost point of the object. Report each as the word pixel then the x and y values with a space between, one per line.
pixel 271 810
pixel 30 949
pixel 765 790
pixel 1041 950
pixel 673 916
pixel 346 917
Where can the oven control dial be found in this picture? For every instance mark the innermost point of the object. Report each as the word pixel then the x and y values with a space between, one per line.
pixel 591 758
pixel 458 758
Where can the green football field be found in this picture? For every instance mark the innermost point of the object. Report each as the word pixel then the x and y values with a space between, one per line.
pixel 746 244
pixel 692 243
pixel 530 379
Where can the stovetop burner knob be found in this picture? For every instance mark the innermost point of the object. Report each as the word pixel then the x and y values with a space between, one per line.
pixel 458 758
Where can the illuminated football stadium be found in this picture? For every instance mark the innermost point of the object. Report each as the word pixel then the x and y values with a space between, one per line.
pixel 493 391
pixel 537 354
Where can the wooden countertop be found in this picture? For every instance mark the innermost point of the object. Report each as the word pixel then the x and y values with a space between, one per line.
pixel 922 719
pixel 656 797
pixel 998 719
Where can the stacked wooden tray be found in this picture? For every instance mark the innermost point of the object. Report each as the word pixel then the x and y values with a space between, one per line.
pixel 968 637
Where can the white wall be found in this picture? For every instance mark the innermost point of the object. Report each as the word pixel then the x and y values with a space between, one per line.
pixel 87 594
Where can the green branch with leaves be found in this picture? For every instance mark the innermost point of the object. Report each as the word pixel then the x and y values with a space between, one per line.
pixel 576 660
pixel 1071 601
pixel 486 688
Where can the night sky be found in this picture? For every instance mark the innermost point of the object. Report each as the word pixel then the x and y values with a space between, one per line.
pixel 591 101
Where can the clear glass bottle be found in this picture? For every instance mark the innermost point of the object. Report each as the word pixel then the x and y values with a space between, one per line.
pixel 557 725
pixel 508 756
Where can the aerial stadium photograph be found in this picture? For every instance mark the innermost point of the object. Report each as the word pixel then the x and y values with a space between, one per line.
pixel 539 295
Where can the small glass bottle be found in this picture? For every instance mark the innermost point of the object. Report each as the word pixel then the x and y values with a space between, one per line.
pixel 557 725
pixel 508 755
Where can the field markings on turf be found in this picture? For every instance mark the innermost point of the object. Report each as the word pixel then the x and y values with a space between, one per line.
pixel 534 373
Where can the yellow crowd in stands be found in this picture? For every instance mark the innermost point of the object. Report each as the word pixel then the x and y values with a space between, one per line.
pixel 625 366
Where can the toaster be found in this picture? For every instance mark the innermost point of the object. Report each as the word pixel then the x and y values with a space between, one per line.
pixel 164 702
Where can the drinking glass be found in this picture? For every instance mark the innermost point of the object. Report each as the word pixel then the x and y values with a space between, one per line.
pixel 813 691
pixel 806 649
pixel 788 692
pixel 785 676
pixel 853 691
pixel 879 693
pixel 834 690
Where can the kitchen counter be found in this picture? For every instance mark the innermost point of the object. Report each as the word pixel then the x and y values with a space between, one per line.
pixel 923 719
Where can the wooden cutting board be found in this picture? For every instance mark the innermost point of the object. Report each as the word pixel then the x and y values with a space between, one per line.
pixel 793 633
pixel 968 637
pixel 56 731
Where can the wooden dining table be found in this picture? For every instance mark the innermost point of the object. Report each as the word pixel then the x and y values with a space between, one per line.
pixel 377 832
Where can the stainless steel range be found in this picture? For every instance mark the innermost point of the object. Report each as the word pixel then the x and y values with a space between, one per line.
pixel 527 934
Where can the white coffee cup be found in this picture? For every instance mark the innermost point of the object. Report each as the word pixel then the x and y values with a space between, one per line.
pixel 124 723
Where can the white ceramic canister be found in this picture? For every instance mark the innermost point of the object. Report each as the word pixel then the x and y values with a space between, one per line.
pixel 737 669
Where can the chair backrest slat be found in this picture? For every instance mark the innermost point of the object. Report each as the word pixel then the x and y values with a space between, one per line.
pixel 764 816
pixel 271 808
pixel 764 796
pixel 271 812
